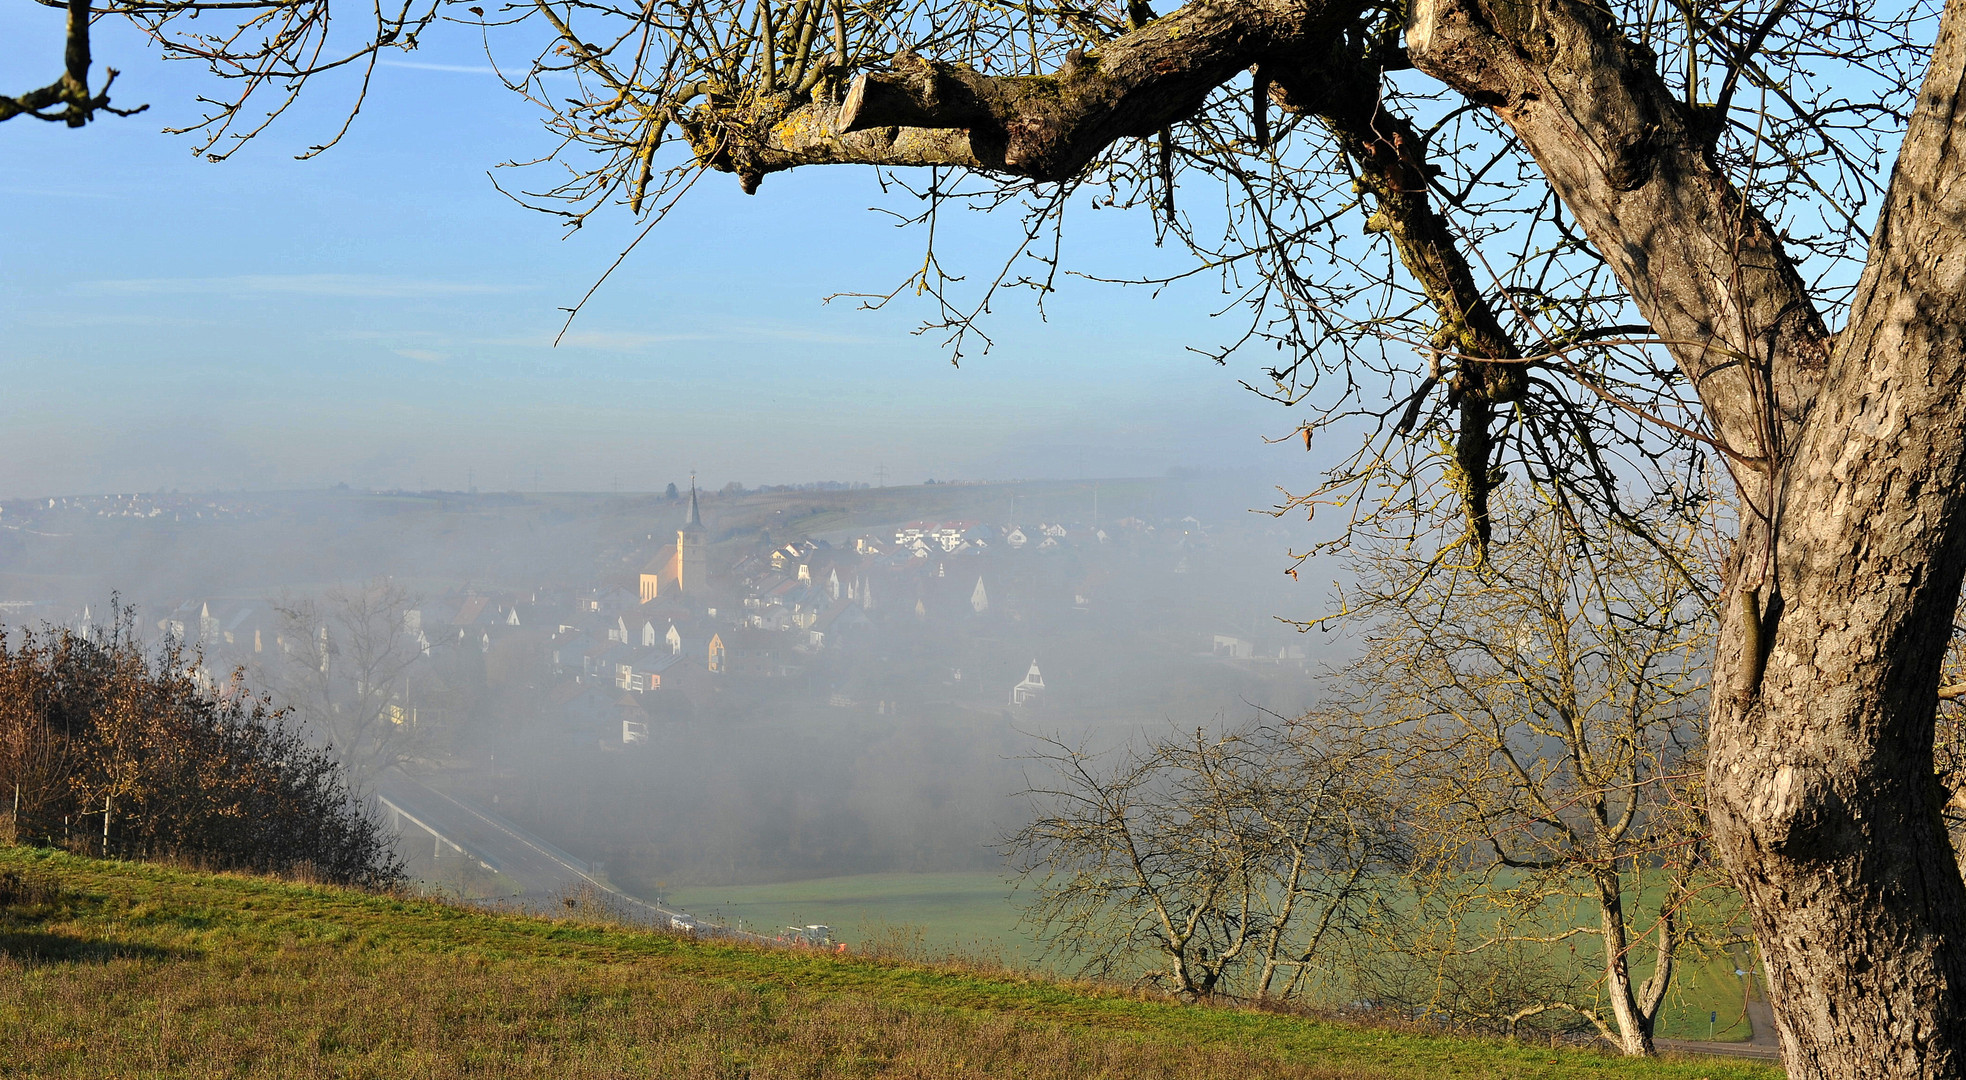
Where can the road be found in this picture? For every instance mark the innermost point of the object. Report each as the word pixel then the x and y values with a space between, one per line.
pixel 1759 1051
pixel 1762 1042
pixel 543 873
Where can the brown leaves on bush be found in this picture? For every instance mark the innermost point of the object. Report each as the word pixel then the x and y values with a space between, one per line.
pixel 108 749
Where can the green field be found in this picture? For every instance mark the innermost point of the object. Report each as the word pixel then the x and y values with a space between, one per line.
pixel 1703 988
pixel 112 969
pixel 975 914
pixel 972 914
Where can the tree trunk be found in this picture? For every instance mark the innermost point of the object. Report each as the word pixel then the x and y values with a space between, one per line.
pixel 1634 1027
pixel 1822 790
pixel 1849 562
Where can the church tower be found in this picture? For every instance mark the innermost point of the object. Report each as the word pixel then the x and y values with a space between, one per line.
pixel 666 575
pixel 689 543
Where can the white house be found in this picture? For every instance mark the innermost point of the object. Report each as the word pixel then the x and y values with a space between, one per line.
pixel 1030 688
pixel 1233 647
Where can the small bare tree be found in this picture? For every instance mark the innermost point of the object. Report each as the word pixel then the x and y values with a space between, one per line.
pixel 1207 863
pixel 344 664
pixel 1543 713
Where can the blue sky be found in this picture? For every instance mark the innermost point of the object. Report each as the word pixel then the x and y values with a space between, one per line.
pixel 381 316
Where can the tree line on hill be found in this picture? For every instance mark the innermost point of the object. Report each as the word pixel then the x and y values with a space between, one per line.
pixel 108 748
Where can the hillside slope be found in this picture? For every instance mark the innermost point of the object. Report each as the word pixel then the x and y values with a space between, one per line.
pixel 114 969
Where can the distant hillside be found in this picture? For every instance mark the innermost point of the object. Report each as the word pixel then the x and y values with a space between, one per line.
pixel 111 969
pixel 159 549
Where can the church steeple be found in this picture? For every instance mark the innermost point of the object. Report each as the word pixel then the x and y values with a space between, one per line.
pixel 689 542
pixel 693 521
pixel 683 569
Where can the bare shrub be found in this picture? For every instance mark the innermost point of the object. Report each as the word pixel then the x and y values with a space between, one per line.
pixel 1240 862
pixel 106 749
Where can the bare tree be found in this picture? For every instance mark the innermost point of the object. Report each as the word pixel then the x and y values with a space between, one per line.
pixel 1205 864
pixel 1662 207
pixel 1694 168
pixel 1544 712
pixel 344 668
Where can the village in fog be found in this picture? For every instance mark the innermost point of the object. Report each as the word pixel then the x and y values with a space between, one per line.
pixel 694 687
pixel 772 538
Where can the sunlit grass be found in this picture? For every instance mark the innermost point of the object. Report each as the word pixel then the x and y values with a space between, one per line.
pixel 145 970
pixel 975 914
pixel 967 913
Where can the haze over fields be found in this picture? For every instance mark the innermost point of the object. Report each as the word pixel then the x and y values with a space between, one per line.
pixel 280 380
pixel 833 682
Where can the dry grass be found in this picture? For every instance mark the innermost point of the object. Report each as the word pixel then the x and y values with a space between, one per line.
pixel 318 1015
pixel 118 970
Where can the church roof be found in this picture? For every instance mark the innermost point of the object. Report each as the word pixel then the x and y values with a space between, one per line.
pixel 693 522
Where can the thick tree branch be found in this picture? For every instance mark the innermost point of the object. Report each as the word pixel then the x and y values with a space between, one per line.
pixel 1390 159
pixel 77 105
pixel 1044 127
pixel 1631 165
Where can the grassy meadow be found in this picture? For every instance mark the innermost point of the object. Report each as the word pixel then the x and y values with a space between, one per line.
pixel 975 915
pixel 110 969
pixel 970 914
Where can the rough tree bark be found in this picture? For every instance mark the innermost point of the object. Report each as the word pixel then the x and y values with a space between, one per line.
pixel 1823 792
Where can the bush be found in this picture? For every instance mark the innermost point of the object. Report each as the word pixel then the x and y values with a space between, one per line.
pixel 105 748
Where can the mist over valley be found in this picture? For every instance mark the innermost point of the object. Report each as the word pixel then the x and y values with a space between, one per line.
pixel 771 688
